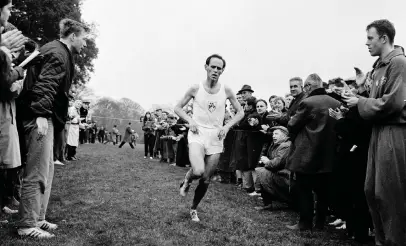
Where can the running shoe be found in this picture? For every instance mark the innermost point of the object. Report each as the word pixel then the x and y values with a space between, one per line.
pixel 193 214
pixel 254 194
pixel 35 232
pixel 57 162
pixel 337 222
pixel 184 188
pixel 46 226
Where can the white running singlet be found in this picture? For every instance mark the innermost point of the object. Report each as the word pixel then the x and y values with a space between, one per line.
pixel 209 109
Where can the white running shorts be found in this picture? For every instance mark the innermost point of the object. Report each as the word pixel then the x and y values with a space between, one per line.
pixel 209 139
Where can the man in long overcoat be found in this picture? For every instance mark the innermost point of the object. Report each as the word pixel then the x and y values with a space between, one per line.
pixel 385 183
pixel 127 136
pixel 312 152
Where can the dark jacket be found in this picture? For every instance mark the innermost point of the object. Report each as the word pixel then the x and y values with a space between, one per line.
pixel 294 105
pixel 148 127
pixel 47 84
pixel 277 154
pixel 313 135
pixel 127 134
pixel 353 130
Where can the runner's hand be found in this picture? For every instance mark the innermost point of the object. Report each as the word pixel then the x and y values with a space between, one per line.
pixel 42 125
pixel 193 127
pixel 223 132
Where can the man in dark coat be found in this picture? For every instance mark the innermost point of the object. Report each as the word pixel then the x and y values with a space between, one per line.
pixel 385 184
pixel 350 169
pixel 43 106
pixel 296 90
pixel 312 153
pixel 127 136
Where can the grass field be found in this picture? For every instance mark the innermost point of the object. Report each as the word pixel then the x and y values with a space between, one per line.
pixel 113 196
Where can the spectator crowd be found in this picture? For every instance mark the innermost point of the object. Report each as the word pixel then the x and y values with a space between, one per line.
pixel 333 148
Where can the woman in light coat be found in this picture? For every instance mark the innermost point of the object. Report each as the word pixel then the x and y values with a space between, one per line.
pixel 73 131
pixel 10 158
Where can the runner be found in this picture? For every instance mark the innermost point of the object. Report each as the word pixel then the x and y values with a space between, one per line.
pixel 206 127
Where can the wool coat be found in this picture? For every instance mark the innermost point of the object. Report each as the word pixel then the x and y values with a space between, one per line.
pixel 312 131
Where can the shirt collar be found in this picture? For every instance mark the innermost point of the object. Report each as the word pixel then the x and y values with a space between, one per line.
pixel 396 52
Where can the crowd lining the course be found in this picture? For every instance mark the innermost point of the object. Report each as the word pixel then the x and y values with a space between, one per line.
pixel 263 154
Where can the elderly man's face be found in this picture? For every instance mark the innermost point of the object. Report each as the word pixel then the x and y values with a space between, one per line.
pixel 278 136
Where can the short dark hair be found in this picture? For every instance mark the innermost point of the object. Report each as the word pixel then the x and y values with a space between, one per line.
pixel 384 27
pixel 272 97
pixel 297 79
pixel 68 26
pixel 218 57
pixel 115 125
pixel 251 101
pixel 339 82
pixel 4 3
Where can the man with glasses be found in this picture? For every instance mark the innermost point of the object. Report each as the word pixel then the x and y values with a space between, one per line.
pixel 311 157
pixel 206 126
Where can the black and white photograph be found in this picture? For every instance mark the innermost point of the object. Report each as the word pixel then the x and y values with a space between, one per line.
pixel 183 122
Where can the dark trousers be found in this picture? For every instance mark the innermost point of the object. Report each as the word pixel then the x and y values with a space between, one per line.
pixel 71 151
pixel 122 143
pixel 59 140
pixel 306 184
pixel 82 136
pixel 149 142
pixel 8 178
pixel 101 139
pixel 92 138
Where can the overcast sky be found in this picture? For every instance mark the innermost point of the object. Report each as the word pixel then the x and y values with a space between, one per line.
pixel 152 50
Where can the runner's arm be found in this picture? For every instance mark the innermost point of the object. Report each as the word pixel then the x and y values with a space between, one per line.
pixel 239 115
pixel 191 92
